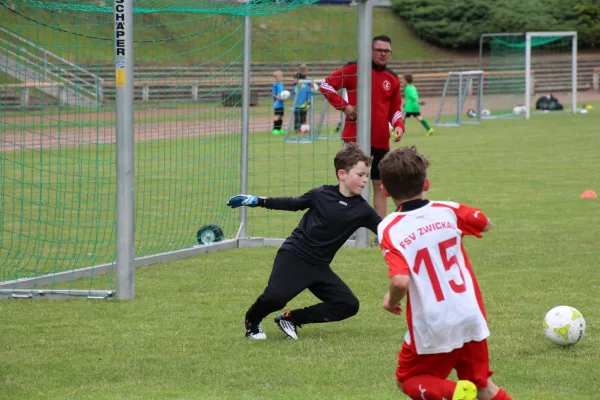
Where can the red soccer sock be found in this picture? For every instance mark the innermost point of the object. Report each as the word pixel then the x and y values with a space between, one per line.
pixel 501 395
pixel 431 387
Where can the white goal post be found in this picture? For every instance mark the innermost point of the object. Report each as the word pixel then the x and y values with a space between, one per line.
pixel 461 88
pixel 317 117
pixel 528 75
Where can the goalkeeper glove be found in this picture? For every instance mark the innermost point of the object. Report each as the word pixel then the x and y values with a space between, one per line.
pixel 248 200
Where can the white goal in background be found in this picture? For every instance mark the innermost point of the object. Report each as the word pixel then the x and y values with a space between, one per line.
pixel 461 99
pixel 520 67
pixel 323 121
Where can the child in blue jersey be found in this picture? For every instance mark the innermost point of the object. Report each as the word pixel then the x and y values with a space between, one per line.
pixel 301 93
pixel 278 109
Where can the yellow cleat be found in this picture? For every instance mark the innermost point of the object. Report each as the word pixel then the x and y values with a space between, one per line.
pixel 430 132
pixel 465 390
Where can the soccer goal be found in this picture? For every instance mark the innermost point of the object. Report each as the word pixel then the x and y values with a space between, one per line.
pixel 461 99
pixel 93 189
pixel 323 122
pixel 522 68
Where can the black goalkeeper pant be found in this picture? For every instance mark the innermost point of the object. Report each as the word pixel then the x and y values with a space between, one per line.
pixel 289 277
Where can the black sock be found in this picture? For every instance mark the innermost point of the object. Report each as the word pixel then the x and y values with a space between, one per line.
pixel 255 314
pixel 260 309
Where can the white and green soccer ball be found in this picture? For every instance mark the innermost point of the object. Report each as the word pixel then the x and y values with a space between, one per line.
pixel 485 112
pixel 520 110
pixel 564 325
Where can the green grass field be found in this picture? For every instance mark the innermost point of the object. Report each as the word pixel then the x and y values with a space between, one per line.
pixel 182 337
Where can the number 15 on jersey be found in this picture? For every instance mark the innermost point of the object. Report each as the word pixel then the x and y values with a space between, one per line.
pixel 441 263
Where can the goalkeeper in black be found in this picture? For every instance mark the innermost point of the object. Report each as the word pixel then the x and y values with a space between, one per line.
pixel 302 262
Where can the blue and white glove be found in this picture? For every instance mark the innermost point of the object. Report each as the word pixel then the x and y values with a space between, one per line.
pixel 248 200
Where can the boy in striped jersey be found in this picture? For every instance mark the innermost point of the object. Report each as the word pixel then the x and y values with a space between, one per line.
pixel 422 243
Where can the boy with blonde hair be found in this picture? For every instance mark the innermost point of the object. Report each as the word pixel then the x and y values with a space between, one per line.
pixel 302 262
pixel 422 243
pixel 303 69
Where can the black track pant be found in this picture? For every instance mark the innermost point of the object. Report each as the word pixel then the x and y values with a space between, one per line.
pixel 290 276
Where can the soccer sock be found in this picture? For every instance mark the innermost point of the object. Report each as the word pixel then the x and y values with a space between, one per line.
pixel 501 395
pixel 425 124
pixel 258 311
pixel 430 387
pixel 254 315
pixel 277 124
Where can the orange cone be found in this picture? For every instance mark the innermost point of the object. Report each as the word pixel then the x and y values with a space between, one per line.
pixel 589 194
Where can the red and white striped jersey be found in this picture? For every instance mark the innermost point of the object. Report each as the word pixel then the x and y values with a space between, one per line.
pixel 444 307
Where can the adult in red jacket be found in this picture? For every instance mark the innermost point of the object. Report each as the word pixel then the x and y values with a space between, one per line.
pixel 385 108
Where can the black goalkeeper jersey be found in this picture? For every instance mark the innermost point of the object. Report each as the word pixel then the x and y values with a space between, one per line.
pixel 329 222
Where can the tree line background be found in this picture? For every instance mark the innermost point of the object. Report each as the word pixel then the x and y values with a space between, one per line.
pixel 459 24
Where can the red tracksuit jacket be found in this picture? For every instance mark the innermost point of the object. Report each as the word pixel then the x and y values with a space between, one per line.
pixel 385 101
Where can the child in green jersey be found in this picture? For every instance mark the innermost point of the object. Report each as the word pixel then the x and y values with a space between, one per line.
pixel 412 105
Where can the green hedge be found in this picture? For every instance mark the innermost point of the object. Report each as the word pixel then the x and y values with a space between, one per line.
pixel 587 21
pixel 459 25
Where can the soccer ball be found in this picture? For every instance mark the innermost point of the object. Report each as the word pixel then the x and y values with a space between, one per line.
pixel 520 110
pixel 485 112
pixel 304 128
pixel 471 113
pixel 564 325
pixel 285 94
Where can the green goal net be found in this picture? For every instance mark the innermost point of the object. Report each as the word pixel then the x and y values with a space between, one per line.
pixel 314 41
pixel 57 124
